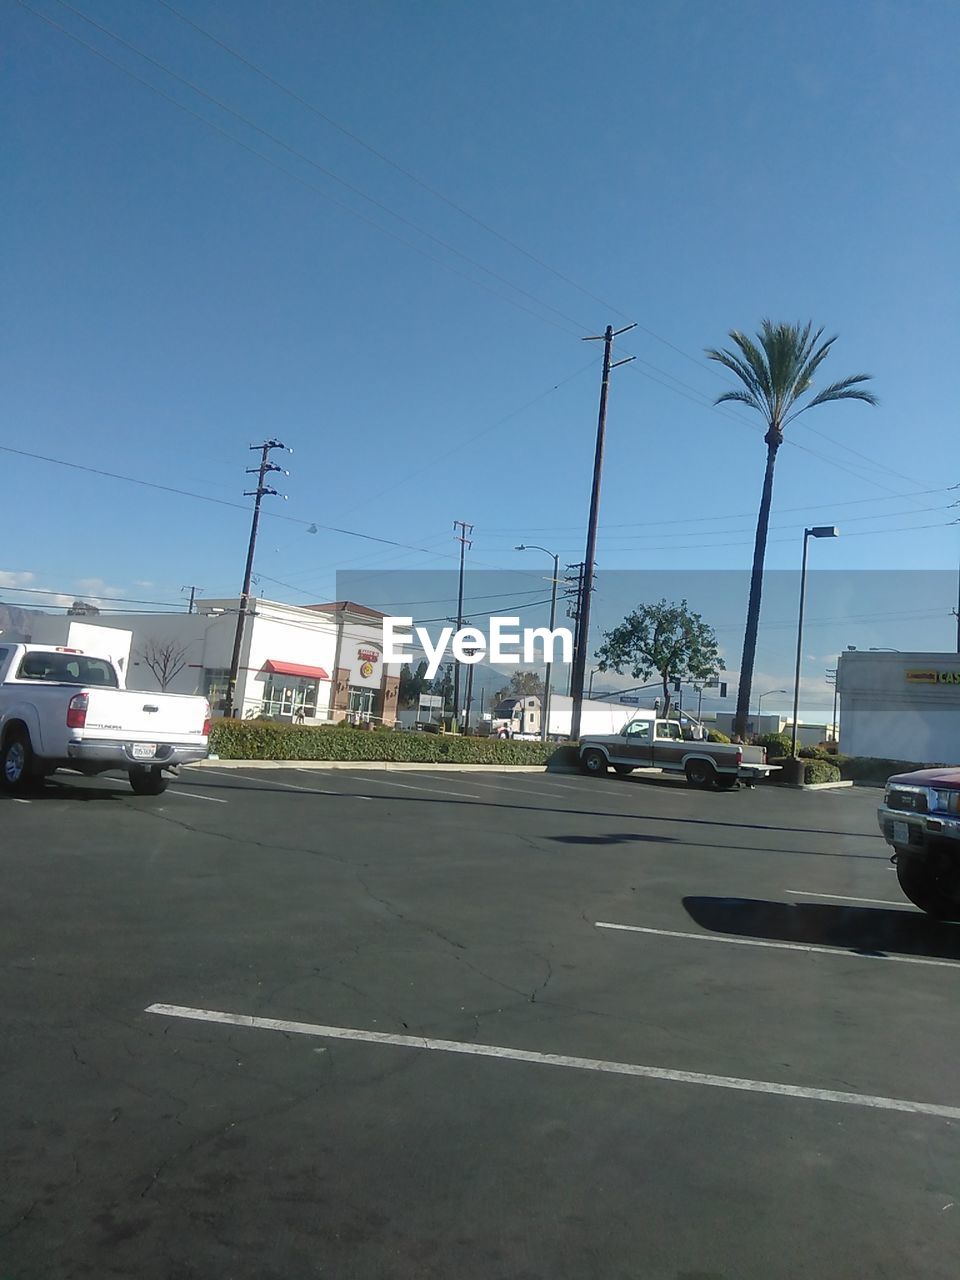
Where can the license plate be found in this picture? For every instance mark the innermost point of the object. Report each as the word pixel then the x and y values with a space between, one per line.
pixel 901 833
pixel 147 750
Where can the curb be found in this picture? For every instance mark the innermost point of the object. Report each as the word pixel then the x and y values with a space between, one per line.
pixel 816 786
pixel 399 766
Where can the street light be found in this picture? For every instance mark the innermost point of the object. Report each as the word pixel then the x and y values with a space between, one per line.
pixel 819 531
pixel 761 698
pixel 593 672
pixel 545 717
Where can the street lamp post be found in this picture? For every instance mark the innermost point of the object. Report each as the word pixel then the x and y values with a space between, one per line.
pixel 545 717
pixel 761 698
pixel 593 672
pixel 819 531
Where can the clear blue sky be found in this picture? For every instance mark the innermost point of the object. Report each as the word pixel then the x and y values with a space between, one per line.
pixel 170 297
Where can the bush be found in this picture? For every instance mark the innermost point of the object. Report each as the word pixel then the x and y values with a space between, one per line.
pixel 777 744
pixel 813 771
pixel 871 771
pixel 268 740
pixel 813 753
pixel 714 735
pixel 820 771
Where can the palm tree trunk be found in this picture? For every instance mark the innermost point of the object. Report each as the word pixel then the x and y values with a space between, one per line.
pixel 773 439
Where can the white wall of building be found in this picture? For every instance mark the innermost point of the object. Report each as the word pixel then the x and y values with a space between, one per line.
pixel 902 706
pixel 203 647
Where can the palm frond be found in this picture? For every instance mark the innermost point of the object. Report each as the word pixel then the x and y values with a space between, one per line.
pixel 742 397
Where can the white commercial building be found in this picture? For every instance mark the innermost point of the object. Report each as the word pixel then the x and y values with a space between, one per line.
pixel 306 665
pixel 900 706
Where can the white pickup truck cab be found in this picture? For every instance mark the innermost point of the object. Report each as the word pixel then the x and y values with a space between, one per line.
pixel 61 708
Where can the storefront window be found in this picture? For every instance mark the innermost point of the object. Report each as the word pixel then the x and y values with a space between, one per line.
pixel 216 681
pixel 290 696
pixel 360 705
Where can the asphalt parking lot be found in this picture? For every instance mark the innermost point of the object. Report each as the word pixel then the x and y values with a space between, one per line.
pixel 297 1023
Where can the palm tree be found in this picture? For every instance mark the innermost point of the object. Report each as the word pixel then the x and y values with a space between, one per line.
pixel 775 374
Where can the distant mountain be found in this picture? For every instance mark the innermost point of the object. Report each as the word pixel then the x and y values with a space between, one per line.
pixel 16 622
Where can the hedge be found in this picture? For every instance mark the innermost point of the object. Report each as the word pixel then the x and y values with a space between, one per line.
pixel 813 771
pixel 777 744
pixel 875 772
pixel 267 740
pixel 714 735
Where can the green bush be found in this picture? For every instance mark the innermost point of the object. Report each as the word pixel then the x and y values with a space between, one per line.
pixel 777 744
pixel 871 771
pixel 814 753
pixel 820 771
pixel 813 771
pixel 714 735
pixel 268 740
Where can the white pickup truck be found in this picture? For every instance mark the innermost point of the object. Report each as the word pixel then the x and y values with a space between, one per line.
pixel 64 709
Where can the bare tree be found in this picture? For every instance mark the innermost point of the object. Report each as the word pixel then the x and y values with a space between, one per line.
pixel 165 658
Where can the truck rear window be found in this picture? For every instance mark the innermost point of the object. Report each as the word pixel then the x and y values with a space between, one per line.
pixel 67 668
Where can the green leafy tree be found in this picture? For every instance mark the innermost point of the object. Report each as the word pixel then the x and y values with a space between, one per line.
pixel 664 638
pixel 412 683
pixel 776 371
pixel 526 684
pixel 443 685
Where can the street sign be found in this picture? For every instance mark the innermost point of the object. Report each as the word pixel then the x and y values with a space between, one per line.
pixel 431 700
pixel 631 700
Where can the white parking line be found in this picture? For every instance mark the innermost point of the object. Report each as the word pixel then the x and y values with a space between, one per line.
pixel 560 1060
pixel 190 796
pixel 508 786
pixel 406 786
pixel 781 946
pixel 271 783
pixel 846 897
pixel 17 800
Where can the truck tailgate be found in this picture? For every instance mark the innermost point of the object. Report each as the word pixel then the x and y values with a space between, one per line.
pixel 150 717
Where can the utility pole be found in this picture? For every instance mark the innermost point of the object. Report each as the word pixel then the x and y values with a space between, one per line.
pixel 583 636
pixel 262 491
pixel 193 593
pixel 464 540
pixel 831 675
pixel 469 697
pixel 573 575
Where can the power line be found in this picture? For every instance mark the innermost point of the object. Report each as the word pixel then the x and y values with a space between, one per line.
pixel 354 137
pixel 75 595
pixel 314 164
pixel 737 515
pixel 311 186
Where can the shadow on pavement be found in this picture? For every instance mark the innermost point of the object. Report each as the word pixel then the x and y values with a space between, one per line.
pixel 869 930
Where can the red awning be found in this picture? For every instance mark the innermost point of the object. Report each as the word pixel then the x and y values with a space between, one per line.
pixel 294 669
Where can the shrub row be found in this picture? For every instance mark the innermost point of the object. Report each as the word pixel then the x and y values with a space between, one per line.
pixel 813 771
pixel 267 740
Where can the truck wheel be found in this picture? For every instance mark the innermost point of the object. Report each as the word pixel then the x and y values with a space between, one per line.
pixel 594 762
pixel 16 761
pixel 933 888
pixel 148 782
pixel 700 774
pixel 727 781
pixel 623 769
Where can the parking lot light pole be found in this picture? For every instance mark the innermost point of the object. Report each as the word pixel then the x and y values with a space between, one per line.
pixel 545 716
pixel 819 531
pixel 760 701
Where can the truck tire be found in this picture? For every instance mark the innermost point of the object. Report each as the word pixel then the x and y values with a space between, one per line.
pixel 148 782
pixel 931 885
pixel 16 761
pixel 594 762
pixel 700 774
pixel 623 769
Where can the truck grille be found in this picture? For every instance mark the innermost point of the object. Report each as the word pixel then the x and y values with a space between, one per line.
pixel 914 836
pixel 908 801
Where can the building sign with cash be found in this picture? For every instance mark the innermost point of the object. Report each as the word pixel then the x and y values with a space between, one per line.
pixel 932 675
